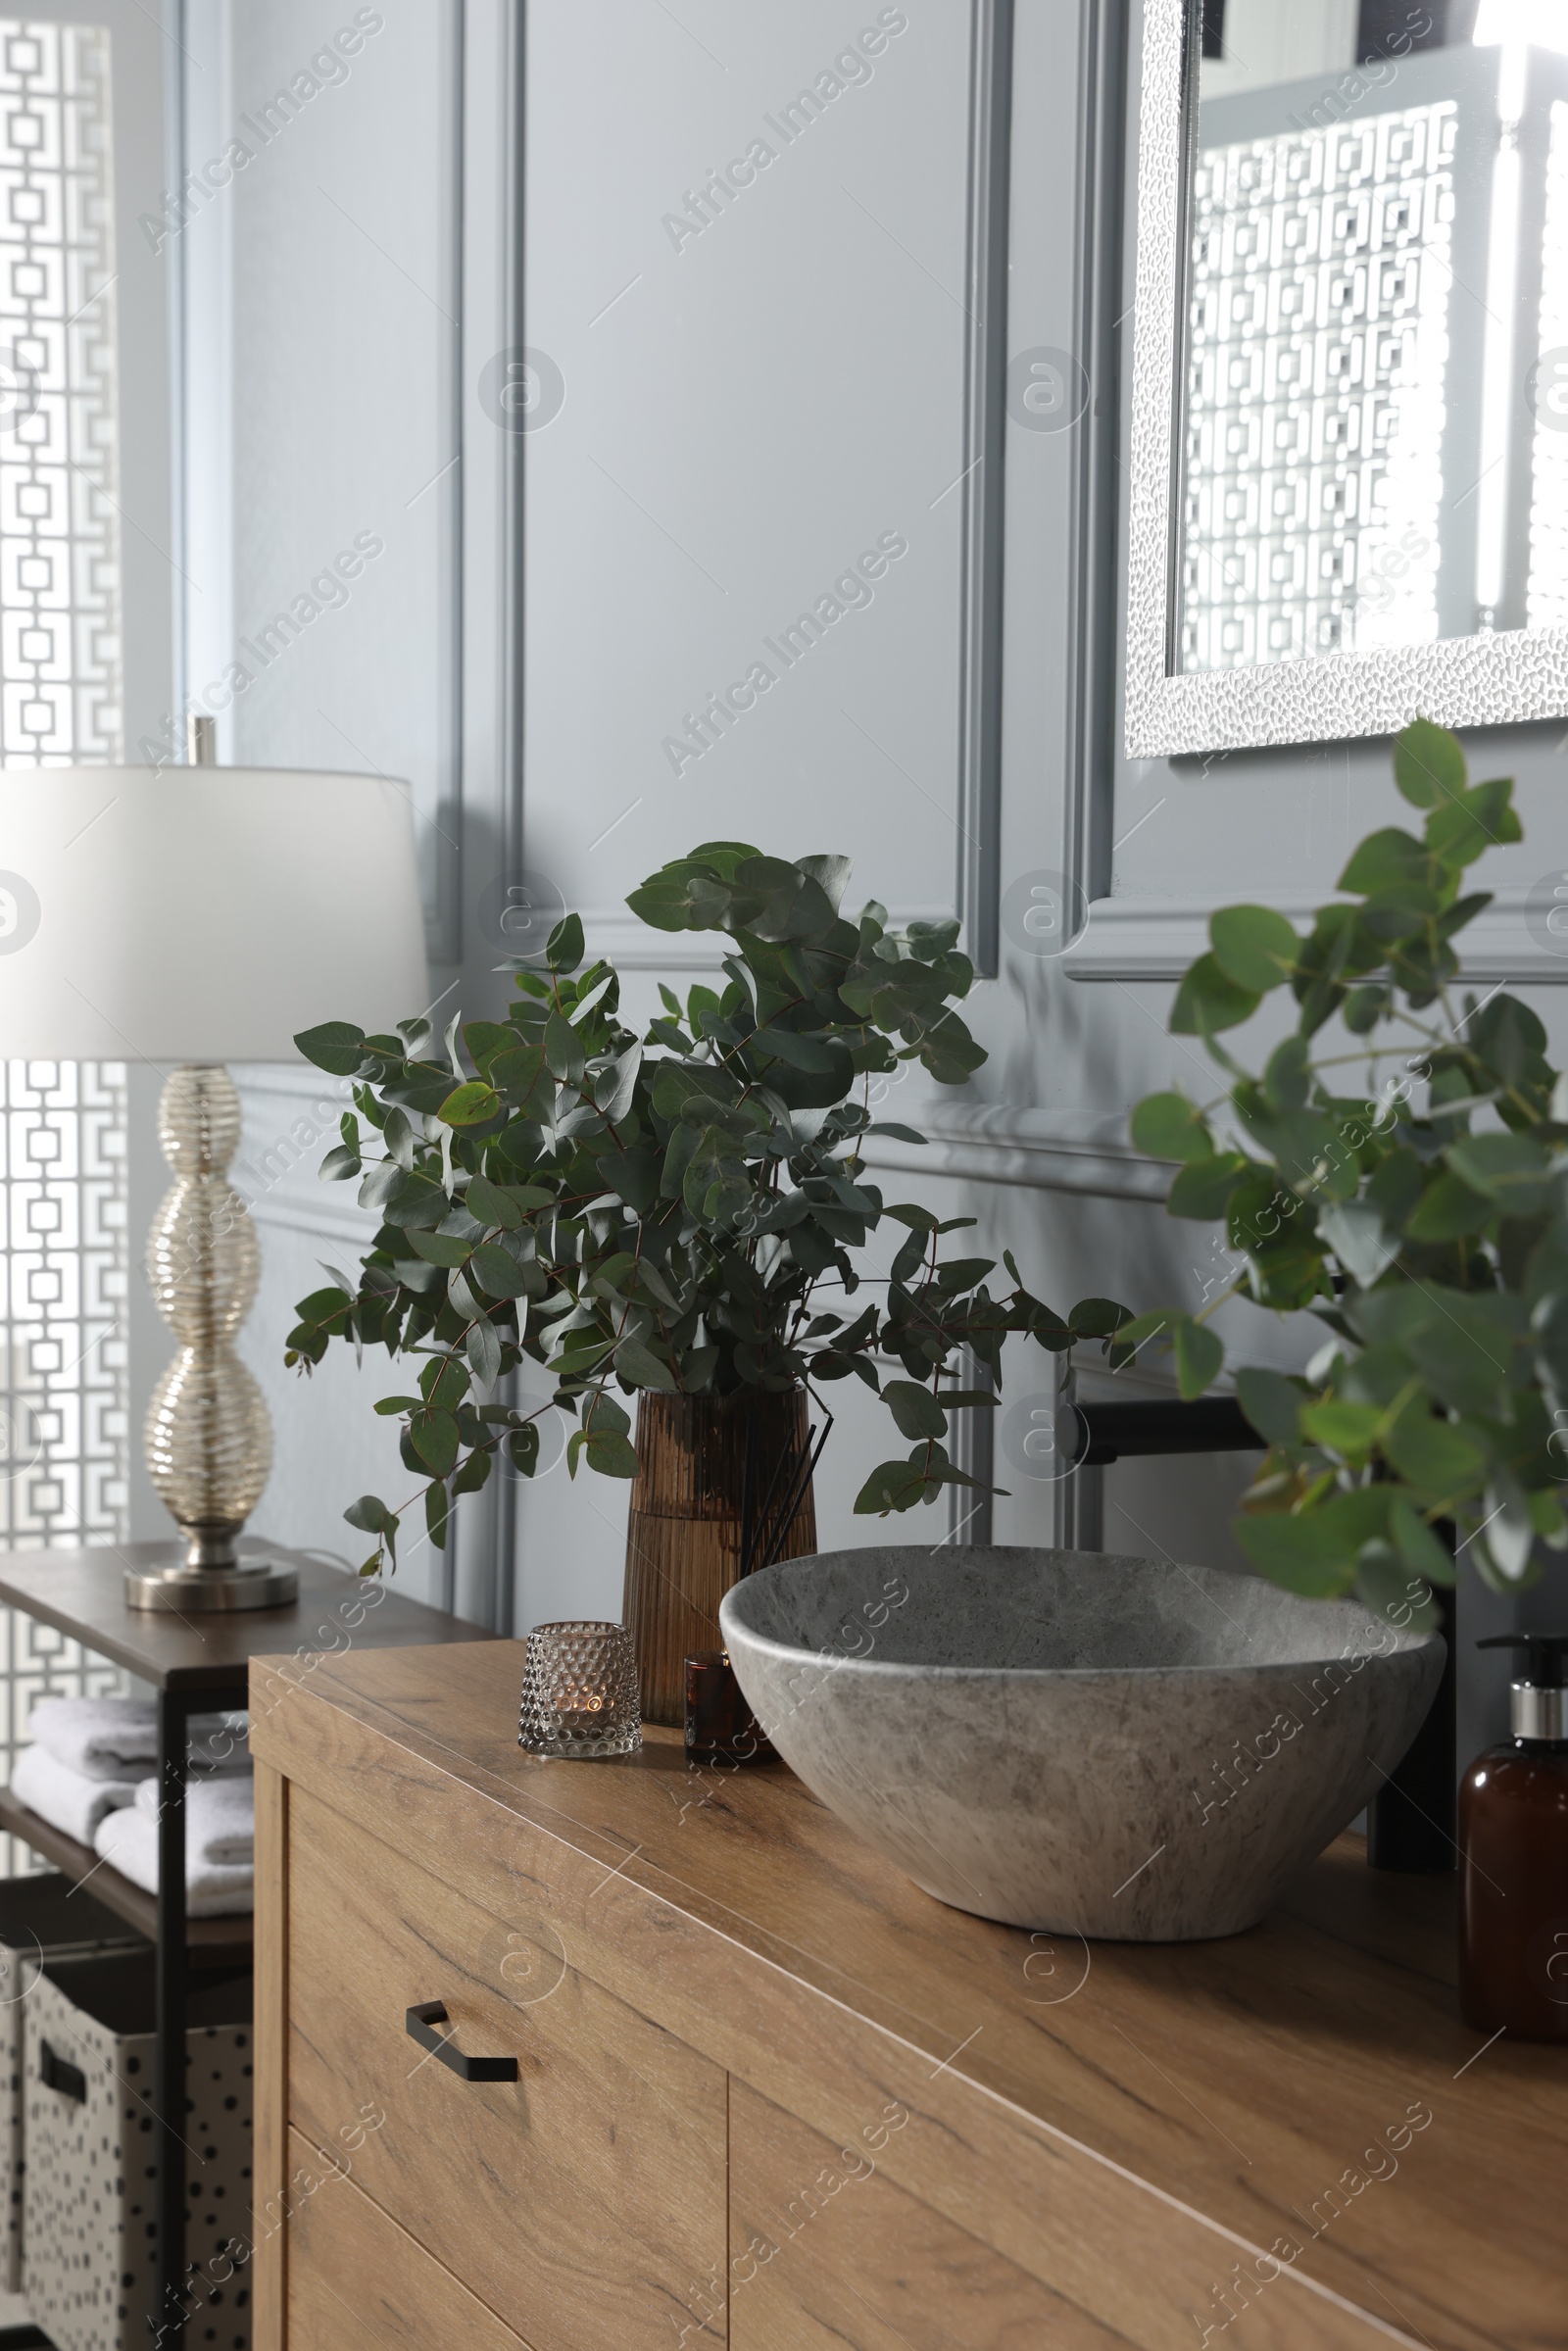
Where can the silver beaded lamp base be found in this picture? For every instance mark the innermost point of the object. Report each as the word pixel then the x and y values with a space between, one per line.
pixel 209 1440
pixel 182 1591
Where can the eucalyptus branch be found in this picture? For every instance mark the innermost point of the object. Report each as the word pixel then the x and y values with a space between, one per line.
pixel 599 1202
pixel 1433 1252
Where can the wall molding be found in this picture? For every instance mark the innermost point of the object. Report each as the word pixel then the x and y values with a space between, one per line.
pixel 1095 624
pixel 631 944
pixel 985 438
pixel 1156 939
pixel 1006 1143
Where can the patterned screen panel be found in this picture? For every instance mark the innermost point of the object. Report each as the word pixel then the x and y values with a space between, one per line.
pixel 1319 341
pixel 59 545
pixel 63 1375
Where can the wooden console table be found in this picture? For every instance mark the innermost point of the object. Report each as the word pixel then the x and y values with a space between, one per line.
pixel 196 1665
pixel 739 2083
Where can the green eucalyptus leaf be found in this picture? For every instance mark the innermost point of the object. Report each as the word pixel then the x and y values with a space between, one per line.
pixel 1168 1126
pixel 1307 1554
pixel 498 1273
pixel 608 1453
pixel 1353 1231
pixel 384 1179
pixel 1465 829
pixel 1514 1171
pixel 1273 1405
pixel 371 1515
pixel 1098 1318
pixel 443 1382
pixel 642 1368
pixel 1428 765
pixel 472 1474
pixel 564 1050
pixel 483 1344
pixel 337 1046
pixel 1348 1430
pixel 564 947
pixel 494 1203
pixel 1390 860
pixel 1384 1579
pixel 523 1077
pixel 434 1438
pixel 1418 1547
pixel 800 1053
pixel 897 1486
pixel 439 1249
pixel 914 1409
pixel 472 1104
pixel 1432 1455
pixel 1203 1190
pixel 1199 1358
pixel 1255 947
pixel 918 1219
pixel 1447 1209
pixel 1208 999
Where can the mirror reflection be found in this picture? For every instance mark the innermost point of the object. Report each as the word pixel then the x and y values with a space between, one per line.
pixel 1375 450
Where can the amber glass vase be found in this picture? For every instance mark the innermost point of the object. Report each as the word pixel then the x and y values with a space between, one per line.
pixel 715 1478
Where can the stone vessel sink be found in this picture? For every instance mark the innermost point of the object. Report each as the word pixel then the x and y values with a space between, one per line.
pixel 1074 1741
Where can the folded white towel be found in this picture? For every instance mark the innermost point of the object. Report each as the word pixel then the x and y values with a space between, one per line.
pixel 220 1742
pixel 104 1738
pixel 219 1821
pixel 129 1842
pixel 116 1739
pixel 65 1799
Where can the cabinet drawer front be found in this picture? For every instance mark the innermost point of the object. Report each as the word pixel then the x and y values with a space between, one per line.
pixel 578 2201
pixel 827 2255
pixel 356 2282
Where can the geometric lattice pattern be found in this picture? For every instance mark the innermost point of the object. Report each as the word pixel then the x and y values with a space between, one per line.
pixel 64 1432
pixel 60 618
pixel 1547 603
pixel 1318 348
pixel 62 1264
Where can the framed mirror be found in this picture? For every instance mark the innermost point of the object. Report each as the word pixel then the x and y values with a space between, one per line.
pixel 1349 410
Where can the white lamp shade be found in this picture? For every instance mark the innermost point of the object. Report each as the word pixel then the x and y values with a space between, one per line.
pixel 202 913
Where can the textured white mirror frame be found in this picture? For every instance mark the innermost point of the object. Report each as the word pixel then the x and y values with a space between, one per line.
pixel 1502 679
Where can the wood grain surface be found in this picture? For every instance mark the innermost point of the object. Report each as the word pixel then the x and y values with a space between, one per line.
pixel 269 2261
pixel 1280 2141
pixel 579 2201
pixel 82 1591
pixel 827 2255
pixel 358 2283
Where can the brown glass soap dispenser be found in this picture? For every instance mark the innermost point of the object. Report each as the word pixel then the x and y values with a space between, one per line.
pixel 1513 1843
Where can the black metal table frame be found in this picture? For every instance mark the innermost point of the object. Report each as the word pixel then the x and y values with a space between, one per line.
pixel 176 1708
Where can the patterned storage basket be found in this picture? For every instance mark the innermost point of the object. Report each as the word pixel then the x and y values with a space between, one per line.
pixel 40 1918
pixel 90 2253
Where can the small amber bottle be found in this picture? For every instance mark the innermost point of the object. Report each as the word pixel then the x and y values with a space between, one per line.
pixel 1513 1843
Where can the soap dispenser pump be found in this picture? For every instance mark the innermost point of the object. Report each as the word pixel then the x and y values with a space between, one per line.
pixel 1513 1843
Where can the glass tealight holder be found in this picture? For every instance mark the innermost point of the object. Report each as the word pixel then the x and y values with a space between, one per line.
pixel 579 1692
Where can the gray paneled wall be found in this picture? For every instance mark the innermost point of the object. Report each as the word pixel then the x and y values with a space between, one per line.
pixel 733 400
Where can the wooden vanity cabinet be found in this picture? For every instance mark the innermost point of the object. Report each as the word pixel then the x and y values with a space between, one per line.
pixel 708 2073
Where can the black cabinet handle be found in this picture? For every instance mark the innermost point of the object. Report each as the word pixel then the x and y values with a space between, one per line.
pixel 56 2074
pixel 417 2023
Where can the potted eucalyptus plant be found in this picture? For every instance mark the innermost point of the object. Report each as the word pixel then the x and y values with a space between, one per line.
pixel 1420 1216
pixel 679 1218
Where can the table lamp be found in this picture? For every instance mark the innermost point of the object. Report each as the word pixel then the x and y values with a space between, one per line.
pixel 187 916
